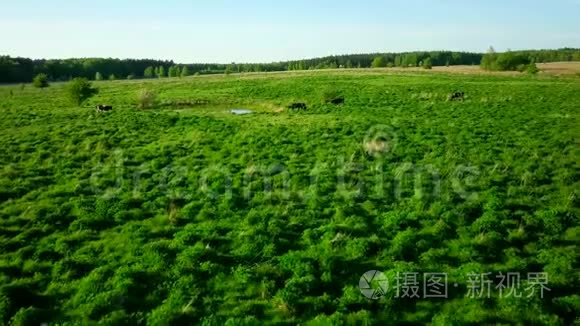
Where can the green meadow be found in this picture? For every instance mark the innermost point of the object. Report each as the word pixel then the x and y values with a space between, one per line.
pixel 184 213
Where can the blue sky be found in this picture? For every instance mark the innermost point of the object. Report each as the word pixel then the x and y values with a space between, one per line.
pixel 264 31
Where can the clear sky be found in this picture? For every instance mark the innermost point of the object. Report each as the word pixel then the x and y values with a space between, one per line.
pixel 264 31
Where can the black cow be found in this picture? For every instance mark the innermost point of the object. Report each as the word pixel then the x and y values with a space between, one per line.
pixel 457 95
pixel 297 106
pixel 337 100
pixel 103 108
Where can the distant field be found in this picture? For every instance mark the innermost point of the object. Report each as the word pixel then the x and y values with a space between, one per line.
pixel 560 67
pixel 554 68
pixel 548 69
pixel 186 214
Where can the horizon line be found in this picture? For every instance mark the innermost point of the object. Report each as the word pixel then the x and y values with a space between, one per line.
pixel 288 60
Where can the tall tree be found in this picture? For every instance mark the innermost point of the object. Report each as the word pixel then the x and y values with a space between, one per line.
pixel 489 59
pixel 161 72
pixel 185 71
pixel 378 62
pixel 149 72
pixel 172 71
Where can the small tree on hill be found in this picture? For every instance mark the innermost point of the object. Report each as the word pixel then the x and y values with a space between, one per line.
pixel 185 71
pixel 40 81
pixel 112 77
pixel 98 76
pixel 79 90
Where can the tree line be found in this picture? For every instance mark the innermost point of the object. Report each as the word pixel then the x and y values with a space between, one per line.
pixel 525 60
pixel 20 70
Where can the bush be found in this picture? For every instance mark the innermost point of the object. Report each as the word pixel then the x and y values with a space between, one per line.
pixel 40 81
pixel 505 61
pixel 378 62
pixel 330 95
pixel 79 90
pixel 98 76
pixel 185 71
pixel 146 99
pixel 173 71
pixel 149 72
pixel 532 69
pixel 427 63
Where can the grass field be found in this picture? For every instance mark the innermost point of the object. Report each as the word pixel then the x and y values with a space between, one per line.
pixel 187 214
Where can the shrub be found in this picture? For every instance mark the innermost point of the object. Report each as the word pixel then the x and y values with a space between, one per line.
pixel 79 90
pixel 488 60
pixel 98 76
pixel 185 71
pixel 149 72
pixel 173 71
pixel 330 95
pixel 378 62
pixel 160 72
pixel 40 81
pixel 112 77
pixel 532 69
pixel 427 63
pixel 131 76
pixel 504 61
pixel 146 99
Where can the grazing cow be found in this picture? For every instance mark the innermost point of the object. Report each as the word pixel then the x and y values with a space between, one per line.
pixel 337 100
pixel 297 106
pixel 103 108
pixel 456 96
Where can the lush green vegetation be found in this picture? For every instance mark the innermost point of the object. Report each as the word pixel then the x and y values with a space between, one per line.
pixel 182 213
pixel 79 90
pixel 40 81
pixel 508 61
pixel 16 70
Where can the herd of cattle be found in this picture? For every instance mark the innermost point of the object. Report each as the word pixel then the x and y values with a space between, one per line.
pixel 454 96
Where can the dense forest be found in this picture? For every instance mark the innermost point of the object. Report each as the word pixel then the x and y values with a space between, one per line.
pixel 18 70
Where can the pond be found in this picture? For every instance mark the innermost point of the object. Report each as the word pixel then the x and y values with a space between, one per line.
pixel 241 111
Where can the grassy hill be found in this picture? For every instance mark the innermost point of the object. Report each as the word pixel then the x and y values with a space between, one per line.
pixel 185 213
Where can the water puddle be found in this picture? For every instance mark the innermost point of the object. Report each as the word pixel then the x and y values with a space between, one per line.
pixel 241 111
